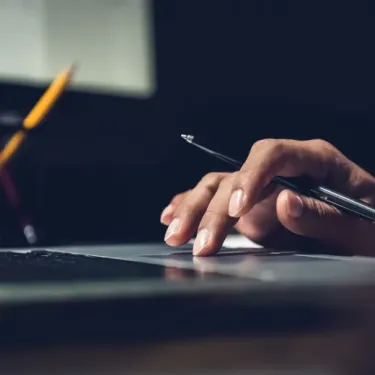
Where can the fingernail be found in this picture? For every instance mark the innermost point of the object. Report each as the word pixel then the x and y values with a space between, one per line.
pixel 167 211
pixel 295 206
pixel 236 202
pixel 173 228
pixel 201 241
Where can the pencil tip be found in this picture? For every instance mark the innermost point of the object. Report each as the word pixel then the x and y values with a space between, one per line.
pixel 188 138
pixel 72 68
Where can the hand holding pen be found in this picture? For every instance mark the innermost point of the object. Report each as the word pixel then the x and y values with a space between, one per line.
pixel 265 209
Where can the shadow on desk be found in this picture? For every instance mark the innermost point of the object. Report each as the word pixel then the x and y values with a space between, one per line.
pixel 186 336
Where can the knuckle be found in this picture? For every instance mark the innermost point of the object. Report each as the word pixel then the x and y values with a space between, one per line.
pixel 269 146
pixel 179 197
pixel 279 151
pixel 321 210
pixel 212 218
pixel 185 208
pixel 189 210
pixel 242 178
pixel 211 182
pixel 321 144
pixel 213 213
pixel 356 181
pixel 227 181
pixel 264 143
pixel 328 155
pixel 211 179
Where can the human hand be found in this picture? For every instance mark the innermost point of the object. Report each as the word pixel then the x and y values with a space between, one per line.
pixel 273 216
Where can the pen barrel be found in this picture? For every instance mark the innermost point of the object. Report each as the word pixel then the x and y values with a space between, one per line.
pixel 305 186
pixel 348 205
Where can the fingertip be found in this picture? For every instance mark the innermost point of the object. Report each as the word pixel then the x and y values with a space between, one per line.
pixel 166 215
pixel 202 243
pixel 165 220
pixel 289 207
pixel 206 252
pixel 178 232
pixel 175 240
pixel 207 243
pixel 171 235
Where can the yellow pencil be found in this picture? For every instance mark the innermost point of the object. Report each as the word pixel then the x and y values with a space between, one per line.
pixel 37 114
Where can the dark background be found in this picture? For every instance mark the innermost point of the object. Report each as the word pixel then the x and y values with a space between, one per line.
pixel 102 168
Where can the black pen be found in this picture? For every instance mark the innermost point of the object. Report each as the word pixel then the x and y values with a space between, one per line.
pixel 305 186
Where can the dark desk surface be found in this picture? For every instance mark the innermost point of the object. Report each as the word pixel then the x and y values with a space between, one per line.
pixel 186 335
pixel 187 326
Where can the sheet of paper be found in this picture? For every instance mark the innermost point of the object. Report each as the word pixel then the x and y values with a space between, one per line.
pixel 237 241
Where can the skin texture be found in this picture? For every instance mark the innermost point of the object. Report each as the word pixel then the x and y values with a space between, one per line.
pixel 273 216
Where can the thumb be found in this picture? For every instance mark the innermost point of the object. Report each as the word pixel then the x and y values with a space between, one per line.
pixel 314 219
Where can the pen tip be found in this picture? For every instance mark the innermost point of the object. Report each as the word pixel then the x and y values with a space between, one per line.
pixel 188 138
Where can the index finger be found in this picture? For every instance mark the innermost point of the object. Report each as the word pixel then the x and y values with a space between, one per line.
pixel 270 158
